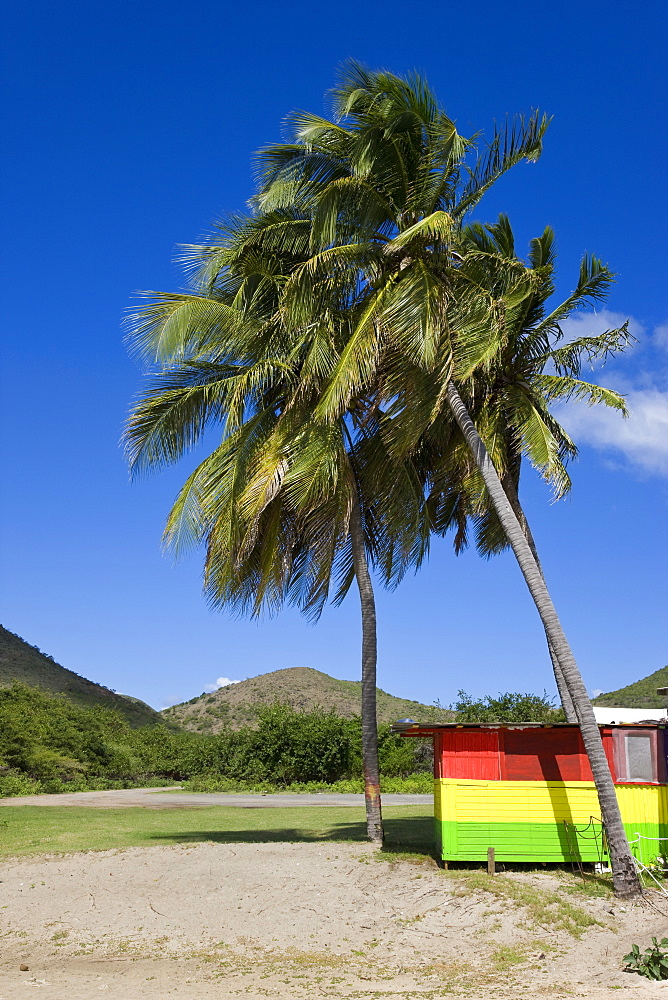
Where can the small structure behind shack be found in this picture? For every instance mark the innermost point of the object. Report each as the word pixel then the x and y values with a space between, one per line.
pixel 527 790
pixel 607 715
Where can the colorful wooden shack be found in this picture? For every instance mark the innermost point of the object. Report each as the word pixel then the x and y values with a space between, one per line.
pixel 527 790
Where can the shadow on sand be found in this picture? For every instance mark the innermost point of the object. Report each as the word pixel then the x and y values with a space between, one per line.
pixel 412 834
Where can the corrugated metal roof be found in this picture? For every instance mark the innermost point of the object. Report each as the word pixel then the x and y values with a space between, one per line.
pixel 431 727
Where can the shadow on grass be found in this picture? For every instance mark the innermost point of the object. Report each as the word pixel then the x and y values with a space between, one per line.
pixel 411 833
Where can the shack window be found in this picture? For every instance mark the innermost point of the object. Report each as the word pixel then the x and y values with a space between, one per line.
pixel 639 763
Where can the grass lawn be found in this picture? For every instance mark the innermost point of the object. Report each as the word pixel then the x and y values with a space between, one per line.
pixel 42 829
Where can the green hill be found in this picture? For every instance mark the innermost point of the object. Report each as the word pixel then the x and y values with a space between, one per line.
pixel 642 694
pixel 19 661
pixel 302 688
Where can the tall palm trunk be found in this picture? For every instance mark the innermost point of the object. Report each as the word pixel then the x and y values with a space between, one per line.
pixel 374 819
pixel 624 875
pixel 514 500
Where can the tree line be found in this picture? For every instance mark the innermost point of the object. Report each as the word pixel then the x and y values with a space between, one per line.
pixel 47 744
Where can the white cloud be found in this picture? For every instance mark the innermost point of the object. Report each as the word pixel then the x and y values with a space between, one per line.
pixel 642 438
pixel 592 324
pixel 660 336
pixel 596 692
pixel 221 682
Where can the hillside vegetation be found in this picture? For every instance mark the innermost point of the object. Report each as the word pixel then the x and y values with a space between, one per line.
pixel 304 689
pixel 641 694
pixel 48 744
pixel 20 662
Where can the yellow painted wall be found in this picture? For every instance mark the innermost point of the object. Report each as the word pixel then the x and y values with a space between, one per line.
pixel 470 801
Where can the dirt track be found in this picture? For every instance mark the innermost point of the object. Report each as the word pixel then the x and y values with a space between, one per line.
pixel 293 920
pixel 168 798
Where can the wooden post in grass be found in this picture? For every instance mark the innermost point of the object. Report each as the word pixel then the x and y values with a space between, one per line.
pixel 491 868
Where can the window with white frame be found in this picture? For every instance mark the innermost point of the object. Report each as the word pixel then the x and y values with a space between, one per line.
pixel 639 762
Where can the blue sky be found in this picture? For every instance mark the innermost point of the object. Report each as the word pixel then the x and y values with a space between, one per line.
pixel 130 127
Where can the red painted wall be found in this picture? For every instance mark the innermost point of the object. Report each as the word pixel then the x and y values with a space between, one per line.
pixel 544 755
pixel 472 753
pixel 515 754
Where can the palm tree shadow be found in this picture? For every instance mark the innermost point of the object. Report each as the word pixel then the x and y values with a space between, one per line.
pixel 406 835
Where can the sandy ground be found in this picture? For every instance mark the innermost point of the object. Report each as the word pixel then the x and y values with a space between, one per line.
pixel 166 798
pixel 296 921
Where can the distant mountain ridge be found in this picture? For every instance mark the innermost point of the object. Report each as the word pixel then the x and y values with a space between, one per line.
pixel 303 688
pixel 19 661
pixel 641 694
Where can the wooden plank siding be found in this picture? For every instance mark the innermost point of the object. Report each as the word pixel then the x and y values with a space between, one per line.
pixel 469 753
pixel 528 792
pixel 540 821
pixel 516 754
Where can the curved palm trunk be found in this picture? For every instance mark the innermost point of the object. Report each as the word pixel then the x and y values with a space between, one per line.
pixel 562 687
pixel 374 819
pixel 514 500
pixel 625 878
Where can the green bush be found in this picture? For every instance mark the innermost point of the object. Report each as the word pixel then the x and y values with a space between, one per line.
pixel 398 757
pixel 290 746
pixel 652 963
pixel 412 784
pixel 16 783
pixel 508 707
pixel 416 784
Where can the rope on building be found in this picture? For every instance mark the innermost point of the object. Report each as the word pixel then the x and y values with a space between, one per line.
pixel 594 830
pixel 656 873
pixel 658 870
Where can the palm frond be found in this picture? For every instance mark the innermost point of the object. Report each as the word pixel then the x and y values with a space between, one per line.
pixel 437 227
pixel 594 282
pixel 564 388
pixel 568 360
pixel 353 205
pixel 175 325
pixel 521 139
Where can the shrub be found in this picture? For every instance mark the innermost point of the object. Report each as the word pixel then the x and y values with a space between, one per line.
pixel 508 707
pixel 15 783
pixel 652 963
pixel 290 746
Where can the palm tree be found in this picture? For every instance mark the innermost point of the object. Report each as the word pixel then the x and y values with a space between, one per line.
pixel 625 877
pixel 283 504
pixel 510 401
pixel 387 186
